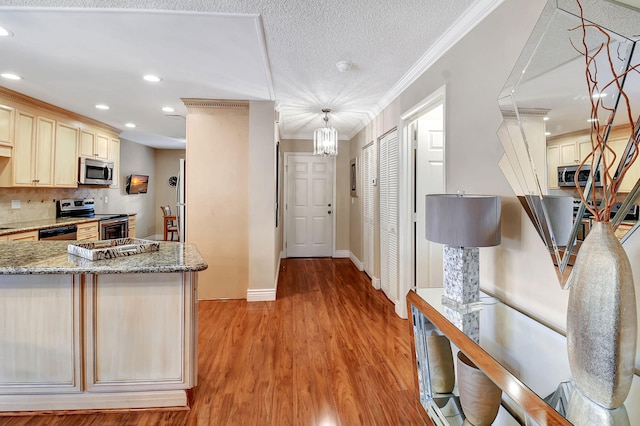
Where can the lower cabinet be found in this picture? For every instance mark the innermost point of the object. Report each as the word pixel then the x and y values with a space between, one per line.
pixel 24 236
pixel 88 231
pixel 97 341
pixel 40 334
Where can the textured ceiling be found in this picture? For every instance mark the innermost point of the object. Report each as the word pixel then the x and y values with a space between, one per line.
pixel 77 53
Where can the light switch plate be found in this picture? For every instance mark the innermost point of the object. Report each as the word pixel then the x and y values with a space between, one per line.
pixel 15 204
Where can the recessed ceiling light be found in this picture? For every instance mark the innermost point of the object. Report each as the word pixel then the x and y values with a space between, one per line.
pixel 546 118
pixel 592 120
pixel 102 106
pixel 168 109
pixel 547 133
pixel 130 125
pixel 11 76
pixel 152 78
pixel 5 32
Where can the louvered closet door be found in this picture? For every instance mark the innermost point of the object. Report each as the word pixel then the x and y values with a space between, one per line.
pixel 368 174
pixel 389 163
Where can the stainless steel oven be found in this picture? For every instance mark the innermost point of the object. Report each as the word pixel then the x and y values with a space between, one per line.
pixel 114 227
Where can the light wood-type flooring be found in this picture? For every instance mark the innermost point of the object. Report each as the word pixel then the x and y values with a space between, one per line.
pixel 329 351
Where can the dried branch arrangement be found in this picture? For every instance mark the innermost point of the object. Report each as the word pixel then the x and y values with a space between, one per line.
pixel 600 152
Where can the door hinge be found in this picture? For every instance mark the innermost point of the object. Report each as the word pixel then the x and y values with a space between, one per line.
pixel 414 217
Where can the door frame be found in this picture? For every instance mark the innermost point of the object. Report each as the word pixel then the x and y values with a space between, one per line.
pixel 285 223
pixel 406 188
pixel 375 214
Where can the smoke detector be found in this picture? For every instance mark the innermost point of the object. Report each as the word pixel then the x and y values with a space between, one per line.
pixel 343 66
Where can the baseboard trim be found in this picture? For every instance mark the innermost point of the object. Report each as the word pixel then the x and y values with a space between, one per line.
pixel 261 294
pixel 340 253
pixel 375 282
pixel 93 401
pixel 356 261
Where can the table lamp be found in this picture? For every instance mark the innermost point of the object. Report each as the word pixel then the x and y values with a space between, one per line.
pixel 463 223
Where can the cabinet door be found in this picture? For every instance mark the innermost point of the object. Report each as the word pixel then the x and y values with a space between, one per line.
pixel 66 156
pixel 584 148
pixel 553 159
pixel 114 155
pixel 6 125
pixel 568 154
pixel 132 226
pixel 101 149
pixel 88 231
pixel 138 332
pixel 87 142
pixel 23 152
pixel 40 348
pixel 24 236
pixel 45 136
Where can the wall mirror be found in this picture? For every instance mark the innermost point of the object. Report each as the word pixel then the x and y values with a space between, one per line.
pixel 545 132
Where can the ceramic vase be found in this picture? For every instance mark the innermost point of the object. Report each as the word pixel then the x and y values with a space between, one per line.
pixel 601 319
pixel 441 370
pixel 479 396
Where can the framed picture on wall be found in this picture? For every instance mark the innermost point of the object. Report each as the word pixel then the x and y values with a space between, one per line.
pixel 353 176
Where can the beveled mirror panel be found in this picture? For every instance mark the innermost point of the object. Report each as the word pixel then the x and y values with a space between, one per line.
pixel 546 132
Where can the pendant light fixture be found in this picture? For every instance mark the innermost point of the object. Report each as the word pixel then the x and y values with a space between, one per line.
pixel 325 139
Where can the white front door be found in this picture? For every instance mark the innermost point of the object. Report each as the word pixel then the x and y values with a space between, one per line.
pixel 309 206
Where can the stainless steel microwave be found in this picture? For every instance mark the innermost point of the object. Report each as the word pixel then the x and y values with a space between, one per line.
pixel 567 174
pixel 94 171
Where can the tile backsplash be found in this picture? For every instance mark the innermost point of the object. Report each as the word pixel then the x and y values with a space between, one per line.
pixel 40 203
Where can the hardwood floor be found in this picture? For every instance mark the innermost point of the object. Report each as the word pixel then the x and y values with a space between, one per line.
pixel 329 351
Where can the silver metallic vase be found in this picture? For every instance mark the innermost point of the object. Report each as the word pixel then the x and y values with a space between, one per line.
pixel 601 319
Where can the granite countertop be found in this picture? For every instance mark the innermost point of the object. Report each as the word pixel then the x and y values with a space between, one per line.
pixel 36 225
pixel 51 257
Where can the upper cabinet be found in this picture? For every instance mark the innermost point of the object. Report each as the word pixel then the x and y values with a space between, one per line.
pixel 40 143
pixel 94 145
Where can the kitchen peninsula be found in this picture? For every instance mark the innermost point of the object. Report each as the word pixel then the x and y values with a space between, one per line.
pixel 77 334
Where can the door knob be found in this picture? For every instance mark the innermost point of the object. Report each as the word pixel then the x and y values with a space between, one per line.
pixel 328 205
pixel 329 212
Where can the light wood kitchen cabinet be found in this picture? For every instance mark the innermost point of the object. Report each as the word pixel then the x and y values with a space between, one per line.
pixel 88 231
pixel 48 317
pixel 33 151
pixel 553 161
pixel 7 115
pixel 65 168
pixel 132 226
pixel 94 145
pixel 114 155
pixel 24 236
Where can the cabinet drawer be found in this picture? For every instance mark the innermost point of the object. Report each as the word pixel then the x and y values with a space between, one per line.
pixel 88 231
pixel 24 236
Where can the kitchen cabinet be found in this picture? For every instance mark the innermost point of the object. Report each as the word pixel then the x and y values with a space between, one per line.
pixel 94 145
pixel 23 236
pixel 45 312
pixel 40 143
pixel 33 151
pixel 553 161
pixel 132 226
pixel 7 115
pixel 114 155
pixel 65 165
pixel 88 231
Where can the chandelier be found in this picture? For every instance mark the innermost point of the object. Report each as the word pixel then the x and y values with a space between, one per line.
pixel 325 139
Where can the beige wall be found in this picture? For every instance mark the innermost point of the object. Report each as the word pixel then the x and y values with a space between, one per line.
pixel 167 164
pixel 343 193
pixel 217 197
pixel 519 270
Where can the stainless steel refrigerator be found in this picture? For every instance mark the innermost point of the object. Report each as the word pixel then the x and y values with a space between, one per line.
pixel 181 202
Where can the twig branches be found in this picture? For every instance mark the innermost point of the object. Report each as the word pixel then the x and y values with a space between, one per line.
pixel 601 153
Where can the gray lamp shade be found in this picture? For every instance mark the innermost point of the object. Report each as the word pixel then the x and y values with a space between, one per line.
pixel 463 220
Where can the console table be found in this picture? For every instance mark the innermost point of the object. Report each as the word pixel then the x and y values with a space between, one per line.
pixel 520 404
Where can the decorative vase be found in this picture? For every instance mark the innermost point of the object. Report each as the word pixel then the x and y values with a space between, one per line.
pixel 441 370
pixel 583 411
pixel 601 319
pixel 479 396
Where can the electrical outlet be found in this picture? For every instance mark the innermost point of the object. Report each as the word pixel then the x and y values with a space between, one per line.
pixel 15 204
pixel 106 199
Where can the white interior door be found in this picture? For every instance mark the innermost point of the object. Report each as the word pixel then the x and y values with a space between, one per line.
pixel 368 176
pixel 429 172
pixel 389 186
pixel 309 206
